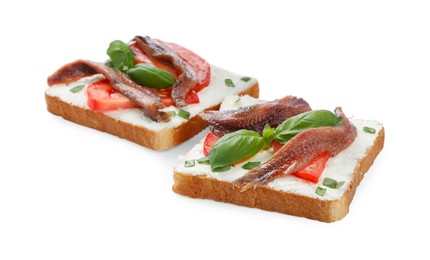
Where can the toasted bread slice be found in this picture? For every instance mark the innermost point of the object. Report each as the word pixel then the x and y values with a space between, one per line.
pixel 131 124
pixel 288 194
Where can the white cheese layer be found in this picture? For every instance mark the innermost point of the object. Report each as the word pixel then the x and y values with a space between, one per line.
pixel 341 167
pixel 209 96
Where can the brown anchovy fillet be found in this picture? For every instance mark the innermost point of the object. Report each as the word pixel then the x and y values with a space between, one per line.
pixel 255 117
pixel 187 78
pixel 300 150
pixel 149 101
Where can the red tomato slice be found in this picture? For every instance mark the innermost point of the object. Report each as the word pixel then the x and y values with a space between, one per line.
pixel 276 146
pixel 210 140
pixel 199 65
pixel 192 98
pixel 314 169
pixel 166 98
pixel 141 57
pixel 102 97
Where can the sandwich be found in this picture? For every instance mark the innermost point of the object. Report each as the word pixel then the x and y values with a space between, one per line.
pixel 280 156
pixel 149 92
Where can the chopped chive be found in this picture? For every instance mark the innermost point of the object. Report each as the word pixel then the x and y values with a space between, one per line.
pixel 245 79
pixel 203 160
pixel 190 163
pixel 229 83
pixel 237 100
pixel 369 130
pixel 222 169
pixel 339 184
pixel 77 88
pixel 250 165
pixel 184 114
pixel 320 191
pixel 329 183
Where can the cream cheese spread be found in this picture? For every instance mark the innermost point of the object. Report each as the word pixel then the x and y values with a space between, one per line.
pixel 341 167
pixel 209 96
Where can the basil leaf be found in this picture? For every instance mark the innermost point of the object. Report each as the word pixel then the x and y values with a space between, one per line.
pixel 222 169
pixel 250 165
pixel 150 76
pixel 122 57
pixel 234 147
pixel 268 134
pixel 312 119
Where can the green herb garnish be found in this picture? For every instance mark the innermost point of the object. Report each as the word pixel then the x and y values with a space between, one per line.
pixel 222 169
pixel 268 134
pixel 296 124
pixel 245 79
pixel 190 163
pixel 184 114
pixel 229 83
pixel 149 75
pixel 122 57
pixel 369 130
pixel 320 191
pixel 77 88
pixel 331 183
pixel 250 165
pixel 203 160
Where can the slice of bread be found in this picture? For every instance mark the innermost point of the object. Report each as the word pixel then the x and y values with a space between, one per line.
pixel 287 194
pixel 132 125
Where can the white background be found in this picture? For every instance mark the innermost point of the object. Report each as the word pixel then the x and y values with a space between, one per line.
pixel 70 192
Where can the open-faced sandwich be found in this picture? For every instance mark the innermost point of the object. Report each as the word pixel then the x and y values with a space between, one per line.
pixel 149 92
pixel 280 156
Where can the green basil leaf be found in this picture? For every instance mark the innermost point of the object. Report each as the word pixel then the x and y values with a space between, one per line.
pixel 122 57
pixel 250 165
pixel 222 169
pixel 312 119
pixel 150 76
pixel 234 147
pixel 268 134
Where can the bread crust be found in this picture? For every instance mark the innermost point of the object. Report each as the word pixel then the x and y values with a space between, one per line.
pixel 280 201
pixel 156 140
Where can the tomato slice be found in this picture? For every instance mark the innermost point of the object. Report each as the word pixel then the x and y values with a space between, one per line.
pixel 166 97
pixel 199 65
pixel 102 97
pixel 210 140
pixel 141 57
pixel 276 146
pixel 192 98
pixel 314 169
